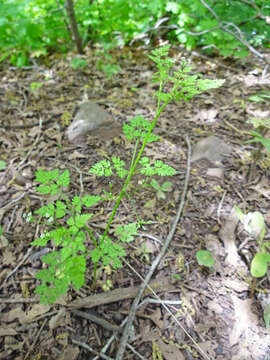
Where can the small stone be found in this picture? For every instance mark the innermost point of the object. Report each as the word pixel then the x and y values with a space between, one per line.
pixel 90 118
pixel 215 173
pixel 212 149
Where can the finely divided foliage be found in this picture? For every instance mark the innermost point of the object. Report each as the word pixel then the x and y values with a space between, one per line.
pixel 67 222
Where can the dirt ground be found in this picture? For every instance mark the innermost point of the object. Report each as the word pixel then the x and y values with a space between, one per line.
pixel 214 313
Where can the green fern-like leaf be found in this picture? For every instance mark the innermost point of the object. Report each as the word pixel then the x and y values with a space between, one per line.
pixel 46 211
pixel 60 209
pixel 76 269
pixel 45 177
pixel 163 169
pixel 127 232
pixel 64 179
pixel 119 167
pixel 146 168
pixel 102 168
pixel 89 201
pixel 43 189
pixel 137 128
pixel 78 222
pixel 43 239
pixel 76 203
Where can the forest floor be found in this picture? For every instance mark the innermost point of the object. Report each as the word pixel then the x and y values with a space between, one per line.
pixel 217 313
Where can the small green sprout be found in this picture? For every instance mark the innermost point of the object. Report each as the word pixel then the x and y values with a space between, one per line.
pixel 205 258
pixel 161 189
pixel 78 63
pixel 255 226
pixel 3 165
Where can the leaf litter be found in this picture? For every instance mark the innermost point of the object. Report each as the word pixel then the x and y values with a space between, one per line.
pixel 218 307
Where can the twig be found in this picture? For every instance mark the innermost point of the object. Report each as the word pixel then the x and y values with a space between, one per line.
pixel 8 205
pixel 69 164
pixel 241 132
pixel 20 263
pixel 36 339
pixel 126 333
pixel 152 237
pixel 87 347
pixel 104 349
pixel 23 259
pixel 195 53
pixel 210 9
pixel 120 294
pixel 135 352
pixel 159 301
pixel 220 206
pixel 81 184
pixel 11 221
pixel 98 320
pixel 25 126
pixel 19 301
pixel 111 339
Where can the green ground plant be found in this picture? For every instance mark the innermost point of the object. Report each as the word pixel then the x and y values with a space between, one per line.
pixel 35 88
pixel 255 226
pixel 262 126
pixel 260 134
pixel 78 63
pixel 67 221
pixel 106 62
pixel 3 165
pixel 205 258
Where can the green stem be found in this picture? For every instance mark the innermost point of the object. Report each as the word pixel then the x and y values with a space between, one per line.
pixel 91 236
pixel 94 283
pixel 134 153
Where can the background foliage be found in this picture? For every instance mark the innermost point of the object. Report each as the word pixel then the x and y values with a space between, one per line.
pixel 32 28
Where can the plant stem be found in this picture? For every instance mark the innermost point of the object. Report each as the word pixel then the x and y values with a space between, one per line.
pixel 132 169
pixel 134 153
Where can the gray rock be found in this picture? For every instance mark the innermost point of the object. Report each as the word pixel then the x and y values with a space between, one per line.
pixel 89 119
pixel 212 149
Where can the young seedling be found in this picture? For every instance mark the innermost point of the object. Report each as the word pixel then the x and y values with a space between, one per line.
pixel 78 63
pixel 3 165
pixel 205 258
pixel 262 127
pixel 255 226
pixel 161 189
pixel 68 220
pixel 34 88
pixel 263 96
pixel 105 62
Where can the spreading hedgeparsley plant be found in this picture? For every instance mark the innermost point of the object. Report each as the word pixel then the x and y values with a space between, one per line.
pixel 67 221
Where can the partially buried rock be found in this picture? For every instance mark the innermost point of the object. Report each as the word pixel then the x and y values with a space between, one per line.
pixel 212 149
pixel 91 119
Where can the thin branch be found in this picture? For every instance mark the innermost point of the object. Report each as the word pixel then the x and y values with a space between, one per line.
pixel 210 9
pixel 89 348
pixel 202 32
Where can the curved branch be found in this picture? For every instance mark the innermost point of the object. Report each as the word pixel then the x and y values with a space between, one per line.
pixel 240 36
